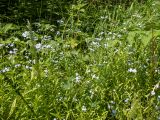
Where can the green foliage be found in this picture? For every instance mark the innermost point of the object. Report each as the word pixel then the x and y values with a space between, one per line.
pixel 80 60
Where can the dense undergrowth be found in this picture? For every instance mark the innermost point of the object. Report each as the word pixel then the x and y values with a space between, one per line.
pixel 105 66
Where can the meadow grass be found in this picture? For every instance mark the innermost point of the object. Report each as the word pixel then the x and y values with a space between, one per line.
pixel 113 73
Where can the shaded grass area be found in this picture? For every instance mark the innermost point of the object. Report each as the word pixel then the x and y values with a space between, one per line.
pixel 113 73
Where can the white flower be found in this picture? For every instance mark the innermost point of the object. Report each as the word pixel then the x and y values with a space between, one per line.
pixel 58 33
pixel 11 44
pixel 45 37
pixel 60 21
pixel 26 34
pixel 95 77
pixel 15 49
pixel 47 46
pixel 105 45
pixel 119 35
pixel 98 39
pixel 28 67
pixel 46 72
pixel 38 46
pixel 12 52
pixel 126 100
pixel 92 93
pixel 101 33
pixel 112 102
pixel 91 49
pixel 156 86
pixel 153 93
pixel 104 17
pixel 132 70
pixel 109 106
pixel 94 43
pixel 78 77
pixel 84 109
pixel 110 33
pixel 17 65
pixel 6 69
pixel 75 99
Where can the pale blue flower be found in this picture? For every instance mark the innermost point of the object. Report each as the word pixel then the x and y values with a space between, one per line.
pixel 114 112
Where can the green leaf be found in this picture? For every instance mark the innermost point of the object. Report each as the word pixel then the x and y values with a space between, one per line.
pixel 7 27
pixel 13 106
pixel 146 36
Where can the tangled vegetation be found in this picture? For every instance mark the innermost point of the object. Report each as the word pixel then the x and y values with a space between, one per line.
pixel 80 60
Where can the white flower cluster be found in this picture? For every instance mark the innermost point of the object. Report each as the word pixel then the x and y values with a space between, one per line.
pixel 6 69
pixel 84 109
pixel 156 87
pixel 132 70
pixel 78 78
pixel 29 34
pixel 39 46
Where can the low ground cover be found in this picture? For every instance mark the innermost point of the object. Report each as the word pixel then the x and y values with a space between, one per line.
pixel 109 72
